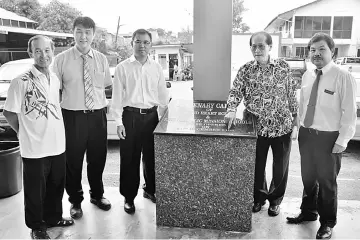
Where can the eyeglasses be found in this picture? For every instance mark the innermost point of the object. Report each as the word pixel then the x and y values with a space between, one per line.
pixel 260 46
pixel 138 42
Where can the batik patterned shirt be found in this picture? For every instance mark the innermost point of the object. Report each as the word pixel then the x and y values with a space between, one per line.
pixel 269 93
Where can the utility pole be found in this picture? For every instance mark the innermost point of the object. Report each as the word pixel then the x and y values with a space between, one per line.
pixel 117 31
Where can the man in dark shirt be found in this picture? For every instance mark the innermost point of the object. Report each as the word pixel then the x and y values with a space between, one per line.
pixel 269 93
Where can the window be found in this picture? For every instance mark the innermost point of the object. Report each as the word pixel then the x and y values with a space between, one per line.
pixel 14 23
pixel 307 26
pixel 6 22
pixel 302 52
pixel 342 27
pixel 22 24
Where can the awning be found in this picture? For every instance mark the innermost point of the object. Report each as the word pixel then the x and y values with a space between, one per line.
pixel 5 14
pixel 7 29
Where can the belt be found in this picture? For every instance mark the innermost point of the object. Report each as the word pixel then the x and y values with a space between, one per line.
pixel 84 111
pixel 140 110
pixel 317 132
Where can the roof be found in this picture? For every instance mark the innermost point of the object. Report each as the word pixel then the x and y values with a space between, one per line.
pixel 288 14
pixel 34 32
pixel 13 16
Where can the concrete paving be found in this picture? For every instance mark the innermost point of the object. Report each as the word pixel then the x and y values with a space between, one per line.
pixel 116 224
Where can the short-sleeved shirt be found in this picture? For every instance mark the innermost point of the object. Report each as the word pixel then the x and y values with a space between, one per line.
pixel 35 99
pixel 69 66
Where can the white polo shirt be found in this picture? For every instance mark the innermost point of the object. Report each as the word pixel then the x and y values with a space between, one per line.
pixel 37 104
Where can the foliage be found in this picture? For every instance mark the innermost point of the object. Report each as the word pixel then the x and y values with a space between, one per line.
pixel 58 17
pixel 238 25
pixel 185 36
pixel 27 8
pixel 124 51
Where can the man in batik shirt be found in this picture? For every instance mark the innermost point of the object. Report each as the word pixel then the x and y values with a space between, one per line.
pixel 269 93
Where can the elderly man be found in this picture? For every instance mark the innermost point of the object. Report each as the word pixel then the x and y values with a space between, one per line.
pixel 269 93
pixel 32 109
pixel 139 89
pixel 328 121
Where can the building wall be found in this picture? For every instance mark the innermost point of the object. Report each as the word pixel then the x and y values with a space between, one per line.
pixel 166 50
pixel 334 8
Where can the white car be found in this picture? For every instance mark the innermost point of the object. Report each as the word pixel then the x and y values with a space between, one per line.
pixel 12 69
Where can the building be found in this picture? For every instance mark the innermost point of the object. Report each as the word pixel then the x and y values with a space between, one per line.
pixel 338 18
pixel 15 31
pixel 167 55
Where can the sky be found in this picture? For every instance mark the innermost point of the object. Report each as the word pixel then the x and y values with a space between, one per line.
pixel 171 15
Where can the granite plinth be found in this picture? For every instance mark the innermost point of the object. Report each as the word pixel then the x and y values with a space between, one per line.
pixel 204 178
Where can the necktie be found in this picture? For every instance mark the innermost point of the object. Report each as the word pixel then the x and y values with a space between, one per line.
pixel 309 116
pixel 88 86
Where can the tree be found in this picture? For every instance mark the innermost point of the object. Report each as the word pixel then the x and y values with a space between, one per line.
pixel 27 8
pixel 238 25
pixel 185 36
pixel 58 17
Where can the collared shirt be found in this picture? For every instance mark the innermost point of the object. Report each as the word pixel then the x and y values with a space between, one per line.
pixel 68 66
pixel 35 99
pixel 137 85
pixel 336 102
pixel 269 93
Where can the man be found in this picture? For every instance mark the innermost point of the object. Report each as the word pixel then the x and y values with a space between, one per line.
pixel 32 109
pixel 328 121
pixel 139 88
pixel 269 93
pixel 84 74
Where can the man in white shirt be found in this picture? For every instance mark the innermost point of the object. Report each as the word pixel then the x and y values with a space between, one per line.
pixel 328 121
pixel 32 109
pixel 138 90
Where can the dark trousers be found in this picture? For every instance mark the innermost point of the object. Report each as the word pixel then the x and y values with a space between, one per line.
pixel 85 132
pixel 319 170
pixel 281 147
pixel 139 139
pixel 44 182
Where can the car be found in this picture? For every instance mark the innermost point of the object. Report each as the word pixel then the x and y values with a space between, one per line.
pixel 298 67
pixel 12 69
pixel 352 64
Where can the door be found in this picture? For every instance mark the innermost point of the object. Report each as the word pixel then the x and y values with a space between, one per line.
pixel 173 60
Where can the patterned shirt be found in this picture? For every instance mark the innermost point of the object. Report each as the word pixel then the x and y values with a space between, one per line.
pixel 269 93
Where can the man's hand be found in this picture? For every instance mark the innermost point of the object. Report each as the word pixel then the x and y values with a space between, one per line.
pixel 230 119
pixel 294 134
pixel 338 149
pixel 121 131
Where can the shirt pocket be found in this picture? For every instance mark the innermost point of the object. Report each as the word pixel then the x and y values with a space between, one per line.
pixel 328 99
pixel 99 79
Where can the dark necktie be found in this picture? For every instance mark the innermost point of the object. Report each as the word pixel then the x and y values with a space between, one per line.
pixel 310 112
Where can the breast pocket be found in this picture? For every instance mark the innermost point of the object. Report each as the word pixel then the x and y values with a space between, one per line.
pixel 99 79
pixel 328 98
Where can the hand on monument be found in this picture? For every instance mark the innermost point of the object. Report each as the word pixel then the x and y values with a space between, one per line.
pixel 230 119
pixel 121 131
pixel 338 149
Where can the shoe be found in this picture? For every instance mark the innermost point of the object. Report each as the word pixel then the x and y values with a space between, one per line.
pixel 257 207
pixel 301 218
pixel 76 211
pixel 149 196
pixel 102 203
pixel 274 210
pixel 324 232
pixel 39 234
pixel 64 222
pixel 129 207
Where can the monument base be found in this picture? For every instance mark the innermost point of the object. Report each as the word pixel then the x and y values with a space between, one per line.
pixel 204 173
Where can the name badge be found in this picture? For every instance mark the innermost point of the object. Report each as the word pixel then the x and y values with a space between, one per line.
pixel 329 92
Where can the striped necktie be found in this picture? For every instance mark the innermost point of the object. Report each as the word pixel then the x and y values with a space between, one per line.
pixel 310 112
pixel 88 86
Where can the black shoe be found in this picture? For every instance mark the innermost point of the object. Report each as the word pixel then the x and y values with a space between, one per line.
pixel 64 222
pixel 274 210
pixel 324 232
pixel 301 218
pixel 129 207
pixel 149 196
pixel 102 203
pixel 39 234
pixel 257 207
pixel 76 211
